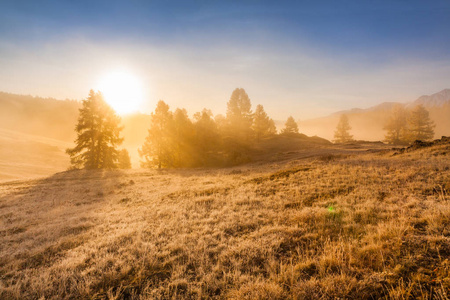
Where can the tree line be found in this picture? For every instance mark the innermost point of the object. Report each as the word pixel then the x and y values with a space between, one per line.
pixel 405 126
pixel 402 127
pixel 174 140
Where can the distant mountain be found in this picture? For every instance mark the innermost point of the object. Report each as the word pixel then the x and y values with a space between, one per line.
pixel 367 124
pixel 56 119
pixel 435 100
pixel 385 106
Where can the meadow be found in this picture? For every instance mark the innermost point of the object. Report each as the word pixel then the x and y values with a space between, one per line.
pixel 359 221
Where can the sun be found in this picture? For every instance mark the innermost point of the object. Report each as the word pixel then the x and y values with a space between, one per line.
pixel 122 91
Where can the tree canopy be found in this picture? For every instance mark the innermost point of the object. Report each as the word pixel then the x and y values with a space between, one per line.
pixel 342 135
pixel 157 148
pixel 98 135
pixel 239 114
pixel 124 159
pixel 262 125
pixel 174 140
pixel 290 126
pixel 404 126
pixel 420 125
pixel 396 126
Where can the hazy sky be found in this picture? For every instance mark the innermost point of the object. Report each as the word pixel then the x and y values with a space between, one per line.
pixel 300 58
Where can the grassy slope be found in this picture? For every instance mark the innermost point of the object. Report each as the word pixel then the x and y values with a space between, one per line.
pixel 360 226
pixel 29 156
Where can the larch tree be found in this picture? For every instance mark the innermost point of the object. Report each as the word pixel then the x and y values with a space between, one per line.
pixel 182 139
pixel 342 134
pixel 290 126
pixel 222 124
pixel 207 138
pixel 157 149
pixel 98 135
pixel 239 114
pixel 262 124
pixel 421 127
pixel 124 159
pixel 396 126
pixel 272 127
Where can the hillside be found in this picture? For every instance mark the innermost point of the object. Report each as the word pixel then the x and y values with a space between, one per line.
pixel 348 222
pixel 46 117
pixel 35 131
pixel 367 124
pixel 56 120
pixel 30 156
pixel 46 127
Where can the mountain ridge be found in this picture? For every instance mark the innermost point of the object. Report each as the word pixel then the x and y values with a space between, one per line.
pixel 434 100
pixel 37 116
pixel 368 122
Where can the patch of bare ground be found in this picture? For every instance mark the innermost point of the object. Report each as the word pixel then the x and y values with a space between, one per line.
pixel 333 224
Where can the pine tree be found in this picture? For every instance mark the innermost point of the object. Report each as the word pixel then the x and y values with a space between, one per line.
pixel 98 135
pixel 421 127
pixel 396 126
pixel 342 135
pixel 182 138
pixel 272 127
pixel 222 124
pixel 124 159
pixel 290 126
pixel 239 114
pixel 157 149
pixel 206 138
pixel 262 124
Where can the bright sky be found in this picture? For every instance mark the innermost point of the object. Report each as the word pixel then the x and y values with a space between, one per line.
pixel 300 58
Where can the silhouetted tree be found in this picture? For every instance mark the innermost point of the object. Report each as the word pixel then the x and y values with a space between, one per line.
pixel 396 126
pixel 157 148
pixel 207 138
pixel 421 127
pixel 222 124
pixel 98 133
pixel 182 137
pixel 290 126
pixel 262 124
pixel 272 127
pixel 124 159
pixel 239 114
pixel 342 135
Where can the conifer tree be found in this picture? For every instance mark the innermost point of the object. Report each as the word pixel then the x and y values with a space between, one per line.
pixel 421 127
pixel 239 114
pixel 98 135
pixel 290 126
pixel 342 135
pixel 262 124
pixel 396 126
pixel 157 149
pixel 272 127
pixel 222 124
pixel 124 159
pixel 182 138
pixel 206 138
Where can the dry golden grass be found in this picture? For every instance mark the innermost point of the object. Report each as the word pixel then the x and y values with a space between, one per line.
pixel 349 226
